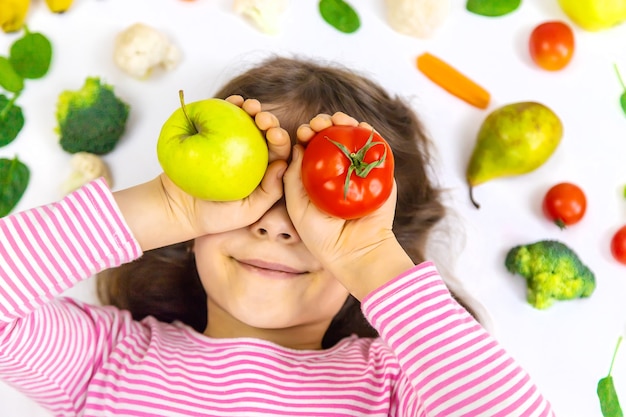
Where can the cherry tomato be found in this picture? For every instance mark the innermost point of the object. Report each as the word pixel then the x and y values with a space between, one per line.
pixel 551 45
pixel 618 245
pixel 347 171
pixel 565 204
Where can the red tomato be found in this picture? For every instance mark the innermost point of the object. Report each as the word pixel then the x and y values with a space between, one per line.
pixel 330 173
pixel 565 204
pixel 618 245
pixel 551 45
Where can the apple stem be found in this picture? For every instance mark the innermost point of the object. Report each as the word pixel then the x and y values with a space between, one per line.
pixel 182 105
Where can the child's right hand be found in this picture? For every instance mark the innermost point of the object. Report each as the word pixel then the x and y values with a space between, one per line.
pixel 159 213
pixel 362 253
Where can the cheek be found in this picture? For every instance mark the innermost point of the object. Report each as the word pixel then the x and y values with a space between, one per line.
pixel 207 251
pixel 332 296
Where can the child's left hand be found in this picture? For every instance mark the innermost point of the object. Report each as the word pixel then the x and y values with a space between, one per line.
pixel 160 213
pixel 350 249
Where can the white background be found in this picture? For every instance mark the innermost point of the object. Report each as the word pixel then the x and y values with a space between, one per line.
pixel 566 348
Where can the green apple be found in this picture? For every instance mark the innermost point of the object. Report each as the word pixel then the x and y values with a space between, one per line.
pixel 595 15
pixel 212 150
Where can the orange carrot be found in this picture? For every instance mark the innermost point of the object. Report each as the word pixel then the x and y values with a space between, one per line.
pixel 451 80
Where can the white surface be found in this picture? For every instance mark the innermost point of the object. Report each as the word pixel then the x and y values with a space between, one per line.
pixel 566 348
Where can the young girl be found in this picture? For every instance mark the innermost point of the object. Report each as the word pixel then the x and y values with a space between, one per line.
pixel 263 306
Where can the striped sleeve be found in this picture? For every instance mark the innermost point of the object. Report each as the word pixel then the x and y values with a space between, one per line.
pixel 454 367
pixel 48 249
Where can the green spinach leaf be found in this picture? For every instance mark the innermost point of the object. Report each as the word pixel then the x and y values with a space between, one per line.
pixel 492 8
pixel 31 55
pixel 10 80
pixel 340 15
pixel 609 402
pixel 14 178
pixel 11 120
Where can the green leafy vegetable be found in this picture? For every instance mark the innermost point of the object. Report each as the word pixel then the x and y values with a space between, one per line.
pixel 11 120
pixel 91 119
pixel 10 80
pixel 553 272
pixel 340 15
pixel 14 177
pixel 609 403
pixel 31 55
pixel 492 8
pixel 622 98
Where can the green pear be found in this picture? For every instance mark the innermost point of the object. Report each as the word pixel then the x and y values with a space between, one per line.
pixel 513 140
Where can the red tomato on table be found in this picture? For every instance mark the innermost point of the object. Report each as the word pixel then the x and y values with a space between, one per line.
pixel 551 45
pixel 348 171
pixel 565 204
pixel 618 245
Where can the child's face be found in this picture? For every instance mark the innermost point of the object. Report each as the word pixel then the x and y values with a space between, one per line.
pixel 262 277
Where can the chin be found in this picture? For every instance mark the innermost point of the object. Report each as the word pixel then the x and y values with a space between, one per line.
pixel 267 319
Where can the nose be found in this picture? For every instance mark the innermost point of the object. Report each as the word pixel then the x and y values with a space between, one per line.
pixel 276 225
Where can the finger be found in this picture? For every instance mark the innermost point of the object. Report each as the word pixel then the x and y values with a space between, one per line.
pixel 294 170
pixel 320 122
pixel 391 200
pixel 271 188
pixel 304 133
pixel 387 210
pixel 295 194
pixel 236 99
pixel 278 143
pixel 366 125
pixel 343 119
pixel 266 120
pixel 252 106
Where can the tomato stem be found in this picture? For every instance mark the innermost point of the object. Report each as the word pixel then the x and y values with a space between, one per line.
pixel 181 95
pixel 357 163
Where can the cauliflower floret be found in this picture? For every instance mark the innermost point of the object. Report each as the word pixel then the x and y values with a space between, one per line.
pixel 265 14
pixel 140 48
pixel 417 18
pixel 86 167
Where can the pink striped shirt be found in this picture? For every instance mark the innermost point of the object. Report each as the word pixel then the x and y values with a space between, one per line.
pixel 432 358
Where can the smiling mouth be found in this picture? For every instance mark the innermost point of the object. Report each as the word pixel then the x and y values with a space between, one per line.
pixel 269 268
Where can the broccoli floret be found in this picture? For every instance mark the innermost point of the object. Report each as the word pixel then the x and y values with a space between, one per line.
pixel 552 271
pixel 91 119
